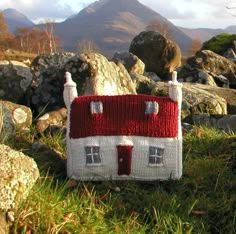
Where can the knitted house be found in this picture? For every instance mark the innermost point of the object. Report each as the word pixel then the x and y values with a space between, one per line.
pixel 123 137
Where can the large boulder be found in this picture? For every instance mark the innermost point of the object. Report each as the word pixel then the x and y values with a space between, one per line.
pixel 94 74
pixel 195 99
pixel 159 54
pixel 14 116
pixel 213 64
pixel 15 78
pixel 18 173
pixel 45 92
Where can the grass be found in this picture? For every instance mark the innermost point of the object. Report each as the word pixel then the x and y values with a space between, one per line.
pixel 16 55
pixel 202 201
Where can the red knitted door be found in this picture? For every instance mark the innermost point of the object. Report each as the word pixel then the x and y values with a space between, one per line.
pixel 124 159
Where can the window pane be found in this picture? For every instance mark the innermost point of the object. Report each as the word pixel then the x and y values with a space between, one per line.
pixel 96 149
pixel 152 150
pixel 88 150
pixel 156 155
pixel 92 155
pixel 151 107
pixel 152 160
pixel 89 159
pixel 97 159
pixel 159 160
pixel 96 107
pixel 160 151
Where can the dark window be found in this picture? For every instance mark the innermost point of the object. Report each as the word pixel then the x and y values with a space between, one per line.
pixel 156 154
pixel 92 155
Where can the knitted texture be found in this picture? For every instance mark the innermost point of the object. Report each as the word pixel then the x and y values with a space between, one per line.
pixel 124 159
pixel 123 115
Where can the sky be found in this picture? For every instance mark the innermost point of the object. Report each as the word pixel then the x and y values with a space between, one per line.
pixel 185 13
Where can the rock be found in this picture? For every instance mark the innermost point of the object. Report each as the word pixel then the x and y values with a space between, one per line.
pixel 152 75
pixel 221 81
pixel 4 227
pixel 230 54
pixel 14 116
pixel 131 62
pixel 226 93
pixel 18 173
pixel 51 160
pixel 195 75
pixel 144 85
pixel 214 64
pixel 1 118
pixel 221 43
pixel 45 93
pixel 196 99
pixel 94 74
pixel 57 117
pixel 222 122
pixel 159 54
pixel 15 78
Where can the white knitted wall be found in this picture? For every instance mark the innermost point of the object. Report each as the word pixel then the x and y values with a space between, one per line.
pixel 140 169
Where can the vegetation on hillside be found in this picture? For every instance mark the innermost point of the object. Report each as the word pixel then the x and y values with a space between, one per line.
pixel 220 43
pixel 29 40
pixel 202 201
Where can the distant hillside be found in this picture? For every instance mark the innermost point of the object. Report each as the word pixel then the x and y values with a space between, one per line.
pixel 15 19
pixel 112 24
pixel 204 34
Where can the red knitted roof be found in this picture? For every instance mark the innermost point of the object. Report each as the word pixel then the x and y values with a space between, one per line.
pixel 123 115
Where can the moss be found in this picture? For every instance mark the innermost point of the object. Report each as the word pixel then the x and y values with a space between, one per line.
pixel 220 43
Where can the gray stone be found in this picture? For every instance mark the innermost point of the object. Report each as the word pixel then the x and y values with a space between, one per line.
pixel 144 85
pixel 15 78
pixel 45 92
pixel 221 122
pixel 195 99
pixel 53 118
pixel 94 74
pixel 18 173
pixel 131 62
pixel 14 116
pixel 214 64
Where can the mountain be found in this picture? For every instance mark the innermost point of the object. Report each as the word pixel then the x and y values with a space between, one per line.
pixel 112 24
pixel 16 19
pixel 204 34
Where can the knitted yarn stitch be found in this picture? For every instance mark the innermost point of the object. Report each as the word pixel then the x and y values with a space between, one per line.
pixel 123 115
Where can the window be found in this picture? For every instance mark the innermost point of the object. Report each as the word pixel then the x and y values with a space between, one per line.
pixel 151 107
pixel 96 107
pixel 92 155
pixel 156 154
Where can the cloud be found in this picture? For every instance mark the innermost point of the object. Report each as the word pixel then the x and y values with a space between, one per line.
pixel 49 9
pixel 193 13
pixel 172 9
